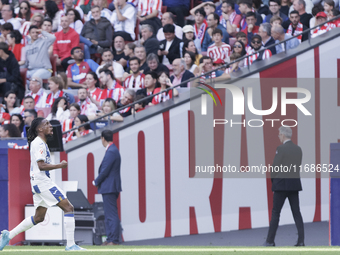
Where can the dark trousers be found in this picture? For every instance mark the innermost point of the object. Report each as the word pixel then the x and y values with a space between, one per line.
pixel 180 12
pixel 112 222
pixel 64 63
pixel 126 36
pixel 154 22
pixel 278 201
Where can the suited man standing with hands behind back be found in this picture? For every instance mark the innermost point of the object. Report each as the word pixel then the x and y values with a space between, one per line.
pixel 109 185
pixel 286 185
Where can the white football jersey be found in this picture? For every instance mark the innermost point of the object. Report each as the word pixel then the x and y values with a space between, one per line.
pixel 40 180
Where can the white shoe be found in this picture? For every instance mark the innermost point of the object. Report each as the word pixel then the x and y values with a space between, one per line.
pixel 74 248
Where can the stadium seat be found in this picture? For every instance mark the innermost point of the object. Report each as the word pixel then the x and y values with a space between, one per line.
pixel 23 74
pixel 164 9
pixel 96 57
pixel 44 111
pixel 81 45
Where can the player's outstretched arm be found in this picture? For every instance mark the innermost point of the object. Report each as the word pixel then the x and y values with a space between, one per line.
pixel 47 167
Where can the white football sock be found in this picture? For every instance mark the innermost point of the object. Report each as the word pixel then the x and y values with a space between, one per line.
pixel 69 224
pixel 23 226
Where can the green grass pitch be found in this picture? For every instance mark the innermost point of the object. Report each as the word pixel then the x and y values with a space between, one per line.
pixel 177 250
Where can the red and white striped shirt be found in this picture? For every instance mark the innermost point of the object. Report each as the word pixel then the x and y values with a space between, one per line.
pixel 323 29
pixel 116 92
pixel 87 107
pixel 222 52
pixel 146 7
pixel 51 98
pixel 336 22
pixel 25 28
pixel 266 55
pixel 161 97
pixel 96 94
pixel 298 30
pixel 134 83
pixel 67 124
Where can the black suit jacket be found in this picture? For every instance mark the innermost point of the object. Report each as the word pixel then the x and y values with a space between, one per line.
pixel 288 155
pixel 270 42
pixel 151 45
pixel 174 51
pixel 108 180
pixel 186 76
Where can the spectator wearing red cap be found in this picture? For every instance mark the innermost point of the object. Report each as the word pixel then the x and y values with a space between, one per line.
pixel 321 17
pixel 218 63
pixel 219 49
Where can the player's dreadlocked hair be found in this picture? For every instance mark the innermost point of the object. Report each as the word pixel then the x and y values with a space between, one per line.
pixel 32 131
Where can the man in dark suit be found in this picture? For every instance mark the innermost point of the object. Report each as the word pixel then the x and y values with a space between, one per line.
pixel 180 74
pixel 109 185
pixel 169 48
pixel 267 40
pixel 286 184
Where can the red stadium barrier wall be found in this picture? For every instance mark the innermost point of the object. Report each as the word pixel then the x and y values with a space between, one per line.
pixel 19 188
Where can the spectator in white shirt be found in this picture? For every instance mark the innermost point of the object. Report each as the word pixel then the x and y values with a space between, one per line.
pixel 7 16
pixel 59 110
pixel 106 13
pixel 168 18
pixel 123 20
pixel 107 58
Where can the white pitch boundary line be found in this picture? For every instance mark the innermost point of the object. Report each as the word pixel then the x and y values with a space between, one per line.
pixel 255 249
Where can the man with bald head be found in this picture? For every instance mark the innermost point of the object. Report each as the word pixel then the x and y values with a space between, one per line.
pixel 180 74
pixel 168 18
pixel 279 35
pixel 119 55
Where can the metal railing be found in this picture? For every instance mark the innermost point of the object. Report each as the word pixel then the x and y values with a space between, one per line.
pixel 198 77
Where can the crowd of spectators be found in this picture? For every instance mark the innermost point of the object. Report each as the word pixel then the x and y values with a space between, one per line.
pixel 74 61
